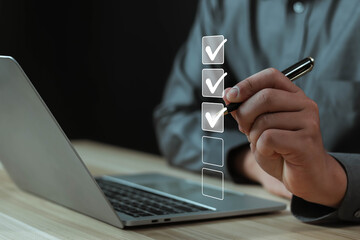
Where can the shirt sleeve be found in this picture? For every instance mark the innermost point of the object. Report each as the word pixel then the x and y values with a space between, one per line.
pixel 178 117
pixel 349 209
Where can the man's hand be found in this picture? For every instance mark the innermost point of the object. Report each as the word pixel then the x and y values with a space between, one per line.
pixel 283 126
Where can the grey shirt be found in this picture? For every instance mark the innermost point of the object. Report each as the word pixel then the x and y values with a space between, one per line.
pixel 264 34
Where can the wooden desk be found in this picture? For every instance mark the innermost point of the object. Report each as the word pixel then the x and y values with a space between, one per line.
pixel 24 216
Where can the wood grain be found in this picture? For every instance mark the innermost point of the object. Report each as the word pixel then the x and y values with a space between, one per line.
pixel 23 214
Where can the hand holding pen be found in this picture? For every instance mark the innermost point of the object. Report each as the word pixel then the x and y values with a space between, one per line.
pixel 293 72
pixel 283 127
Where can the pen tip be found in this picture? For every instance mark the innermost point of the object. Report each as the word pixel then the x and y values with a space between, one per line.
pixel 312 60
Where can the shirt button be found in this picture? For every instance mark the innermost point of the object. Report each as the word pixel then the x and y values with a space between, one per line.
pixel 298 7
pixel 357 213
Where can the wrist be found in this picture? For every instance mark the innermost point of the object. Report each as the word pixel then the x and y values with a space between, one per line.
pixel 332 186
pixel 337 182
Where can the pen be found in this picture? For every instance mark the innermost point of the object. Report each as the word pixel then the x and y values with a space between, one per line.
pixel 293 72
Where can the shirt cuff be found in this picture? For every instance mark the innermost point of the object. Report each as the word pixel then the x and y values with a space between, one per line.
pixel 312 212
pixel 349 209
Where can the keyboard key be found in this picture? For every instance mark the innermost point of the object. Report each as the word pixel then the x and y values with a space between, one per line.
pixel 140 203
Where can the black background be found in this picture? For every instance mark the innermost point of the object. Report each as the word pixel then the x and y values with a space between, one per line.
pixel 100 66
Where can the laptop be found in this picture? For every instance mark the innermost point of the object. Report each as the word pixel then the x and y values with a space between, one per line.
pixel 40 159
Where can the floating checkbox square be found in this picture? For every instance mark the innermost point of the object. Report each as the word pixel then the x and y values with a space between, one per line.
pixel 213 49
pixel 215 157
pixel 212 183
pixel 212 117
pixel 213 82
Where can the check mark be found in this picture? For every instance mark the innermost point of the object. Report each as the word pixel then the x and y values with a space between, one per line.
pixel 212 121
pixel 212 55
pixel 211 87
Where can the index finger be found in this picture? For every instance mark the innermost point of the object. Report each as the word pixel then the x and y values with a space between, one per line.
pixel 268 78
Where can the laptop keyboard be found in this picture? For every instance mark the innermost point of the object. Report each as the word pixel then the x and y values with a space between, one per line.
pixel 140 203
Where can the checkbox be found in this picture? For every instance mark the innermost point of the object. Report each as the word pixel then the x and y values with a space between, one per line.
pixel 212 183
pixel 212 117
pixel 213 49
pixel 213 82
pixel 215 157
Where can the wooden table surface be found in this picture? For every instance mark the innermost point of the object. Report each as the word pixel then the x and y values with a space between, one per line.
pixel 24 216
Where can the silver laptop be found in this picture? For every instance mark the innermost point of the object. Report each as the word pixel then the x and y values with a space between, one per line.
pixel 41 160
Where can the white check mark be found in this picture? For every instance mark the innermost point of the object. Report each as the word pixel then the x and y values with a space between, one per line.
pixel 211 87
pixel 212 121
pixel 212 55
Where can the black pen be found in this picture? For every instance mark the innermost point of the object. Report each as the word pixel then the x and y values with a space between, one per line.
pixel 294 72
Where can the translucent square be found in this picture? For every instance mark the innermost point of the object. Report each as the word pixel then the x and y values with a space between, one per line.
pixel 213 82
pixel 212 183
pixel 212 117
pixel 213 49
pixel 215 157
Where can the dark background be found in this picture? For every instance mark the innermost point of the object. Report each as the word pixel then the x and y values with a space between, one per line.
pixel 93 62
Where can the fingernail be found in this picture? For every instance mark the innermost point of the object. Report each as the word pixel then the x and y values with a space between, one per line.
pixel 248 138
pixel 233 92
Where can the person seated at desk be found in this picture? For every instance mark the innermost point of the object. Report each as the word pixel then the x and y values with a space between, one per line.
pixel 303 136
